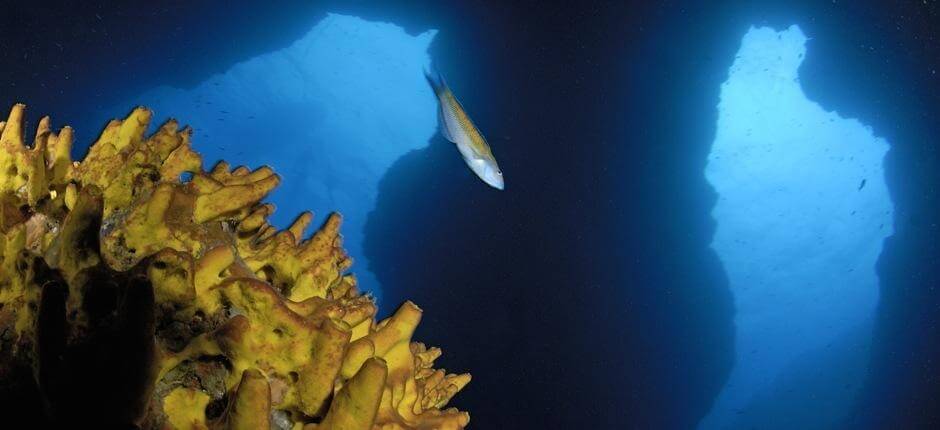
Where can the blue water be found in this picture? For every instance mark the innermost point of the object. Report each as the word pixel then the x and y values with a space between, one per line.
pixel 715 216
pixel 330 112
pixel 802 212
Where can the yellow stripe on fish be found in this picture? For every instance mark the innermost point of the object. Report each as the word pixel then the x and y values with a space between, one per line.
pixel 477 142
pixel 456 126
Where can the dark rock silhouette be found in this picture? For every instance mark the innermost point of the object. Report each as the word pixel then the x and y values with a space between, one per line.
pixel 586 291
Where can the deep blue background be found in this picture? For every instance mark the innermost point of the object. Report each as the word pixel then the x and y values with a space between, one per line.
pixel 586 294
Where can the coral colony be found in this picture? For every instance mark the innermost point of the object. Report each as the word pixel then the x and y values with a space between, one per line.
pixel 137 264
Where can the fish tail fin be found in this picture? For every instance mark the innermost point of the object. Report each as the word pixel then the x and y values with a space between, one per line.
pixel 440 89
pixel 436 80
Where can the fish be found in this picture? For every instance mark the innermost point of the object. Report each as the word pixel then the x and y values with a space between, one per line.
pixel 455 125
pixel 861 185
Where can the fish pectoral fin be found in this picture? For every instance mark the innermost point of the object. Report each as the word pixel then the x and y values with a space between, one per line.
pixel 442 125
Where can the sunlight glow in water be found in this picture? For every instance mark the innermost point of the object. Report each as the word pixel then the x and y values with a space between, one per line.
pixel 802 212
pixel 330 113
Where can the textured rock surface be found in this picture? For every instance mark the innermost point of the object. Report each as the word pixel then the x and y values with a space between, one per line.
pixel 162 289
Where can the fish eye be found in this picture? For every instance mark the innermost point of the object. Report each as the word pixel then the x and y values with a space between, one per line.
pixel 499 173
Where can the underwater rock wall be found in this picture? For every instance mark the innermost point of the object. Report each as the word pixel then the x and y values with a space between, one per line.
pixel 350 85
pixel 802 213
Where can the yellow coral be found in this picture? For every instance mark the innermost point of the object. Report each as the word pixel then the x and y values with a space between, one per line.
pixel 250 327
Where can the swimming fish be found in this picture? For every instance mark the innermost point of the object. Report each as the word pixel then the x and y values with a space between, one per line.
pixel 457 127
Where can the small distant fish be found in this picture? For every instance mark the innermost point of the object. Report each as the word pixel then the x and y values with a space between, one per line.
pixel 457 127
pixel 861 185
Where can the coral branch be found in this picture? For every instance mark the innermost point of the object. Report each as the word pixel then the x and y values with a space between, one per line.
pixel 182 303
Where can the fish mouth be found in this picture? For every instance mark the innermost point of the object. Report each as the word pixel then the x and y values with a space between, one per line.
pixel 487 171
pixel 494 177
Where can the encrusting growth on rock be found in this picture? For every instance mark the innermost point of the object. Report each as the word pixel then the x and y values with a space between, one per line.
pixel 137 289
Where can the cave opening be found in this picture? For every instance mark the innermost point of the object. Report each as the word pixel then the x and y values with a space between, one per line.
pixel 330 113
pixel 802 213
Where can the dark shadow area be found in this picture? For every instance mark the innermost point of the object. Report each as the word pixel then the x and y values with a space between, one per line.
pixel 870 61
pixel 73 60
pixel 879 63
pixel 890 78
pixel 585 295
pixel 589 282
